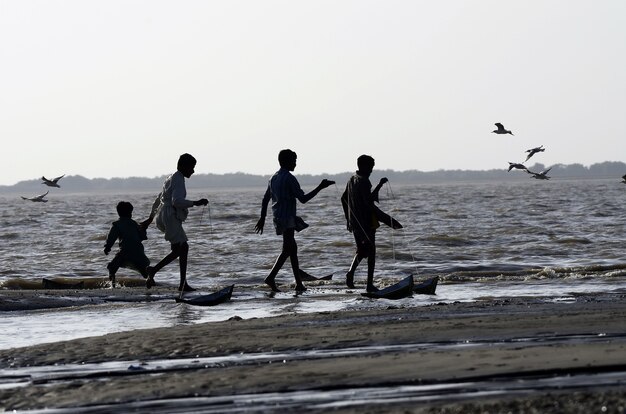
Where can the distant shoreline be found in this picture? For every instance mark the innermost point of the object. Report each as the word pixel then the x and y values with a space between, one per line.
pixel 76 183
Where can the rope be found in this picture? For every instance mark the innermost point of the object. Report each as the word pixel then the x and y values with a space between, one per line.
pixel 210 221
pixel 202 214
pixel 393 241
pixel 394 208
pixel 207 208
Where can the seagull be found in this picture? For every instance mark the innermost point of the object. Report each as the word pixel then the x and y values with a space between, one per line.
pixel 624 178
pixel 540 176
pixel 533 151
pixel 501 129
pixel 517 165
pixel 53 182
pixel 39 198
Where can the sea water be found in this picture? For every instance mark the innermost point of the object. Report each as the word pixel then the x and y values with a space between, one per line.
pixel 551 238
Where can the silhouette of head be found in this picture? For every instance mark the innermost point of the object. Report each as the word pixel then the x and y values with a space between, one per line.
pixel 125 209
pixel 287 159
pixel 186 164
pixel 365 164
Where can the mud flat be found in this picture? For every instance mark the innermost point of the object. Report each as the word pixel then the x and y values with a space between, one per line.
pixel 503 355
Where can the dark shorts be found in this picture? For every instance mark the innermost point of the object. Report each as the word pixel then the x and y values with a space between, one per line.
pixel 135 260
pixel 295 223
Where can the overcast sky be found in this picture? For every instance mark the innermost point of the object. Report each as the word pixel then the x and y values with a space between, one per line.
pixel 122 88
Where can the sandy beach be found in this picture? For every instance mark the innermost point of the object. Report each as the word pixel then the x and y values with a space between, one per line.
pixel 289 362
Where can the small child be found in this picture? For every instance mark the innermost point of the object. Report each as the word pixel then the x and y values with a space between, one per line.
pixel 131 235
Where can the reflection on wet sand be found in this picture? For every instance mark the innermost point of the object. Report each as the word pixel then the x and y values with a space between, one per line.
pixel 350 360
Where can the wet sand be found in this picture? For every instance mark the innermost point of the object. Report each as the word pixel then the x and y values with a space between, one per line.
pixel 458 342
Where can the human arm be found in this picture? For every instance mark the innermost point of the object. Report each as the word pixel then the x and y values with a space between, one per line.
pixel 261 223
pixel 179 192
pixel 153 210
pixel 306 197
pixel 146 223
pixel 346 207
pixel 377 188
pixel 111 238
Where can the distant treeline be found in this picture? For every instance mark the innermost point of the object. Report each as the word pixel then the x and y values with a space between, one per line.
pixel 77 183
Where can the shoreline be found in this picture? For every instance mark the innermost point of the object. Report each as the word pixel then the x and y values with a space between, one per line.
pixel 439 343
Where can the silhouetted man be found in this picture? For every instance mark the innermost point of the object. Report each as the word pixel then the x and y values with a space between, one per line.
pixel 171 208
pixel 283 189
pixel 363 217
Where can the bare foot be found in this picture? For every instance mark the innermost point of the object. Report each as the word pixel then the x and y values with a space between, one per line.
pixel 150 272
pixel 186 288
pixel 350 280
pixel 372 289
pixel 272 284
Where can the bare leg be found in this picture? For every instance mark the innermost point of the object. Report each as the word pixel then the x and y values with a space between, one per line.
pixel 371 264
pixel 270 279
pixel 182 262
pixel 350 274
pixel 171 256
pixel 291 246
pixel 290 249
pixel 113 267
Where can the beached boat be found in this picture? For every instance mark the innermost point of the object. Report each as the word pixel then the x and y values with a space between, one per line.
pixel 310 278
pixel 402 289
pixel 426 287
pixel 64 284
pixel 212 299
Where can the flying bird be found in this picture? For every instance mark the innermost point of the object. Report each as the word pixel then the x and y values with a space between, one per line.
pixel 540 176
pixel 533 151
pixel 39 198
pixel 624 178
pixel 501 129
pixel 519 166
pixel 53 182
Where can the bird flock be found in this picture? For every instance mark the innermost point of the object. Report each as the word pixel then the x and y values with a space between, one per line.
pixel 543 175
pixel 50 183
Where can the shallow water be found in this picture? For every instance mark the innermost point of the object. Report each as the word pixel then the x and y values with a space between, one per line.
pixel 25 328
pixel 552 238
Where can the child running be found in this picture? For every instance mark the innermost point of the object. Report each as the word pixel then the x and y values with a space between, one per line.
pixel 130 235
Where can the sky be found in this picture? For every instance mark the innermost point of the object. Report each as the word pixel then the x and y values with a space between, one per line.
pixel 121 88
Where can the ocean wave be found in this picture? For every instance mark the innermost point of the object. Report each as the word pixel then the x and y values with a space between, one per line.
pixel 480 273
pixel 447 240
pixel 574 240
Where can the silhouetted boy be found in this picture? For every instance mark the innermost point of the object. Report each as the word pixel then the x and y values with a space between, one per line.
pixel 363 217
pixel 283 189
pixel 171 209
pixel 131 235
